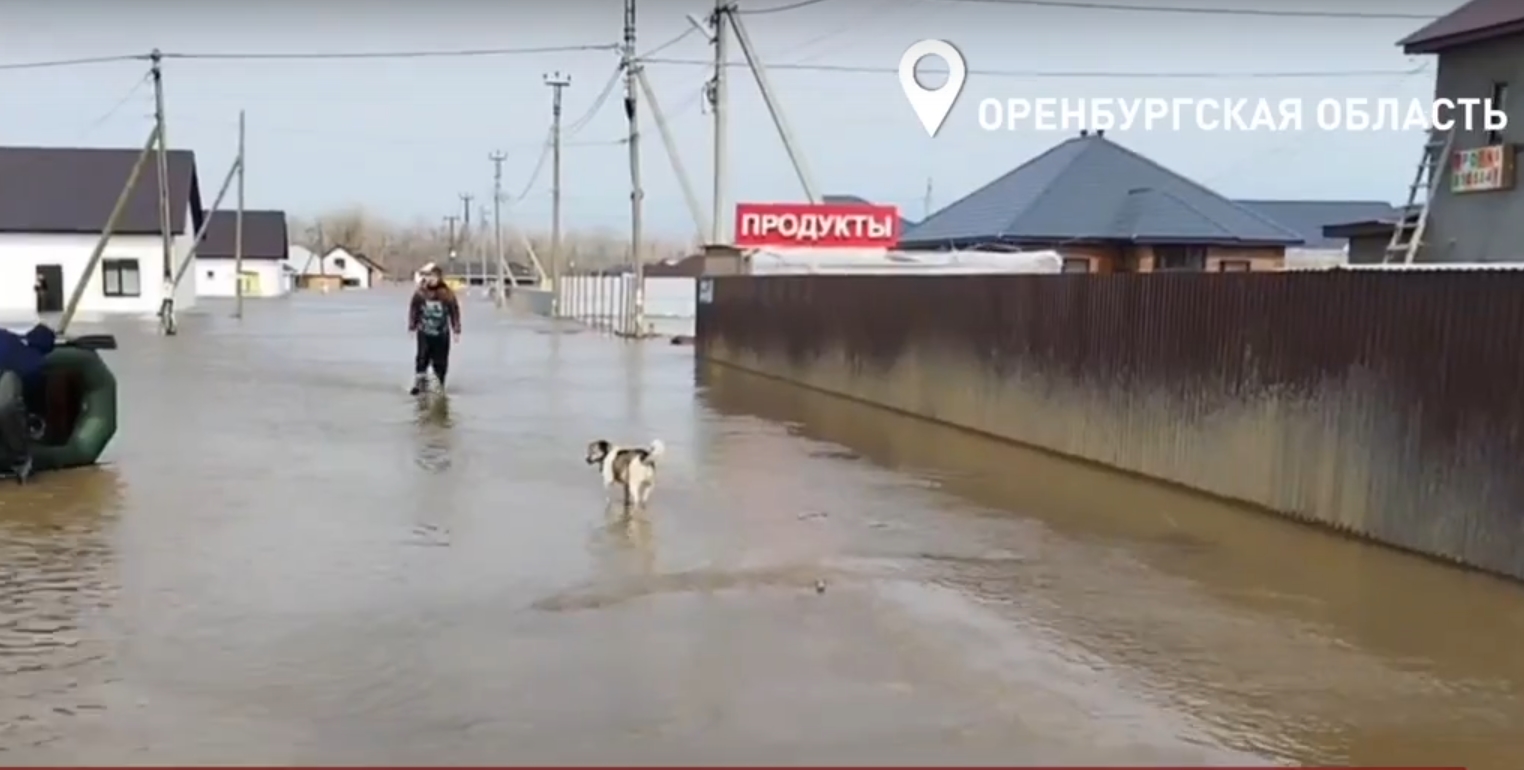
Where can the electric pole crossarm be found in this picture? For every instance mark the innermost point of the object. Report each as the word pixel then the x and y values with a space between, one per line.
pixel 759 71
pixel 670 143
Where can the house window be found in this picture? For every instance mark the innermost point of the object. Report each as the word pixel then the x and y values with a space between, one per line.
pixel 338 262
pixel 1076 265
pixel 1499 102
pixel 1179 259
pixel 1234 266
pixel 211 274
pixel 119 278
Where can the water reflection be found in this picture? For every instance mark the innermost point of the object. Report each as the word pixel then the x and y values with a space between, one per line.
pixel 1281 639
pixel 57 585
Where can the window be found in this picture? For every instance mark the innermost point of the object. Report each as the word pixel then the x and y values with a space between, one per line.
pixel 1499 102
pixel 1076 265
pixel 211 274
pixel 120 278
pixel 1179 259
pixel 1234 266
pixel 338 263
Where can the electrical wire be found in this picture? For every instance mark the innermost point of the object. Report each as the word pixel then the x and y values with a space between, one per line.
pixel 37 65
pixel 1281 12
pixel 664 46
pixel 115 108
pixel 780 8
pixel 598 102
pixel 455 53
pixel 1052 74
pixel 539 165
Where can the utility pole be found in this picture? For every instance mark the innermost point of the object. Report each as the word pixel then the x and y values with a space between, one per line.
pixel 635 298
pixel 719 96
pixel 167 238
pixel 497 159
pixel 450 223
pixel 926 201
pixel 557 83
pixel 465 231
pixel 238 223
pixel 774 108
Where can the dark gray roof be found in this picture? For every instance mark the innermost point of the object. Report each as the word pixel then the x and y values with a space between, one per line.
pixel 264 235
pixel 73 189
pixel 1090 188
pixel 461 268
pixel 905 224
pixel 1474 22
pixel 1308 218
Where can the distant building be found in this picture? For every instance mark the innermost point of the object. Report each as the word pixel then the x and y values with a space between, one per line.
pixel 1107 209
pixel 1311 219
pixel 1478 213
pixel 54 203
pixel 338 268
pixel 265 256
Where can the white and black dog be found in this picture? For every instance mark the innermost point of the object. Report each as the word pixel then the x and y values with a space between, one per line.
pixel 631 469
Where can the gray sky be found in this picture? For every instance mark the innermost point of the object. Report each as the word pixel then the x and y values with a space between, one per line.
pixel 403 137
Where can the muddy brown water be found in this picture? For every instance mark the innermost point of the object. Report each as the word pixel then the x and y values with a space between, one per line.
pixel 287 560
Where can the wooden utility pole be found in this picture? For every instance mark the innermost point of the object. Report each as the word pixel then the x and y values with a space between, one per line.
pixel 238 223
pixel 635 297
pixel 166 236
pixel 465 231
pixel 497 159
pixel 558 84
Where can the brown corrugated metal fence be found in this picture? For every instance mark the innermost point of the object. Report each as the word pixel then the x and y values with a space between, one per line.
pixel 1383 403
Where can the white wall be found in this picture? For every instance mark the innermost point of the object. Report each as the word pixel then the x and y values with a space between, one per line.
pixel 336 262
pixel 21 253
pixel 218 278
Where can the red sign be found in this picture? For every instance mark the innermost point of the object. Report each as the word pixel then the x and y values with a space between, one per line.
pixel 817 225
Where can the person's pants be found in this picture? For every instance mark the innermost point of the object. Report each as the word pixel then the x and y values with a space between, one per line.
pixel 433 353
pixel 15 438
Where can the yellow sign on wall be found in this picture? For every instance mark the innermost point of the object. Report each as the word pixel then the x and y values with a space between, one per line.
pixel 1483 169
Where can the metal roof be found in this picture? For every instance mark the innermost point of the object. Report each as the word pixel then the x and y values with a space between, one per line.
pixel 71 190
pixel 905 222
pixel 1090 188
pixel 1308 218
pixel 264 235
pixel 1474 22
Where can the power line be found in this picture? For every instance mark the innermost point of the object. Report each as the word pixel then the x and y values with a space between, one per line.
pixel 37 65
pixel 115 108
pixel 1081 5
pixel 781 8
pixel 664 46
pixel 1218 75
pixel 598 102
pixel 455 53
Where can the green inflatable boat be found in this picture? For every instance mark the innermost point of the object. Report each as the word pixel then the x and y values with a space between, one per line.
pixel 73 410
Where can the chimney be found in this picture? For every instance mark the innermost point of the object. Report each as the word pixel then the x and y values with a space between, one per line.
pixel 1084 132
pixel 1100 132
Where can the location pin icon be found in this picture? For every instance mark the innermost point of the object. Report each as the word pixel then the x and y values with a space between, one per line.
pixel 931 105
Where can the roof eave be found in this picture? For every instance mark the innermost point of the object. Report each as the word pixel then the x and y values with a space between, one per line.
pixel 1441 43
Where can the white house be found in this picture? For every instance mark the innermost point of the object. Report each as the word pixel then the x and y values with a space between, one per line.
pixel 265 255
pixel 355 270
pixel 54 202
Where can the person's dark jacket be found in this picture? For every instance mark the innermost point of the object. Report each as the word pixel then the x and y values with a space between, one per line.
pixel 441 293
pixel 24 354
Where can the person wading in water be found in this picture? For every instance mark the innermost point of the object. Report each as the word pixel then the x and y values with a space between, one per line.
pixel 433 317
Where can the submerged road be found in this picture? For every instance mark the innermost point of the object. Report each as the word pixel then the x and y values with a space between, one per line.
pixel 286 561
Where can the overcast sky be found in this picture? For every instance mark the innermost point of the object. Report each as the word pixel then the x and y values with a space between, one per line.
pixel 404 137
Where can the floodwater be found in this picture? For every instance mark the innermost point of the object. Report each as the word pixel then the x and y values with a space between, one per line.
pixel 288 560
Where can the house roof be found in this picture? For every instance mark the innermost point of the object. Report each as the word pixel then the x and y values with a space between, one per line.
pixel 264 235
pixel 1308 218
pixel 683 268
pixel 1090 188
pixel 475 268
pixel 905 224
pixel 73 190
pixel 1474 22
pixel 1380 225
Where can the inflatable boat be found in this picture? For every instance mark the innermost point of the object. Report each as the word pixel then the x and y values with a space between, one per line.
pixel 71 411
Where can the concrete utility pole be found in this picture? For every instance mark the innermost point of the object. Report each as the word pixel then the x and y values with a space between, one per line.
pixel 167 238
pixel 465 231
pixel 635 298
pixel 497 159
pixel 719 96
pixel 238 223
pixel 558 84
pixel 450 223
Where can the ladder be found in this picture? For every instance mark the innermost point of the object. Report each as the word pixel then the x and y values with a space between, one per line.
pixel 1408 239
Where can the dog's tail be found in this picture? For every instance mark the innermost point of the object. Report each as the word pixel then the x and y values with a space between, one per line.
pixel 657 448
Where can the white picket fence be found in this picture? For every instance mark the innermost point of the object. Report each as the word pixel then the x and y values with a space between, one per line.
pixel 600 301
